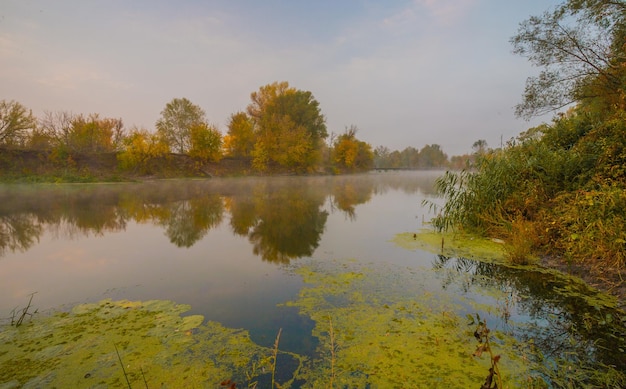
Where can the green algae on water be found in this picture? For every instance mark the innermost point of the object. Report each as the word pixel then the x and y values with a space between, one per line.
pixel 388 332
pixel 454 245
pixel 77 348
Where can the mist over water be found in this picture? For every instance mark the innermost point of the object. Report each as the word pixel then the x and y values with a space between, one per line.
pixel 228 247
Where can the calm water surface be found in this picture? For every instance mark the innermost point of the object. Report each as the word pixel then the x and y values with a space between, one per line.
pixel 226 247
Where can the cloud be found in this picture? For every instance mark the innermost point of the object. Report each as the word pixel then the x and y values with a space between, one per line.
pixel 441 12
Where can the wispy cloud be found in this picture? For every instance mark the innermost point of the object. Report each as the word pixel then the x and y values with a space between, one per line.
pixel 442 12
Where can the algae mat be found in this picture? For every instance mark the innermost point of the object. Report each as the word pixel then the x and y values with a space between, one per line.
pixel 377 326
pixel 157 346
pixel 381 328
pixel 453 245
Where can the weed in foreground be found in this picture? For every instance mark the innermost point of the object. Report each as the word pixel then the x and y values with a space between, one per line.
pixel 23 314
pixel 481 333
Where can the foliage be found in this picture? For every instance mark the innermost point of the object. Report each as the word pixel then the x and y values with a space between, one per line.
pixel 177 119
pixel 57 126
pixel 482 333
pixel 69 133
pixel 430 156
pixel 579 45
pixel 558 188
pixel 239 142
pixel 140 148
pixel 288 127
pixel 349 153
pixel 15 123
pixel 206 142
pixel 94 135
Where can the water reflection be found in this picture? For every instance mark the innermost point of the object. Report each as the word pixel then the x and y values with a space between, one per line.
pixel 283 218
pixel 565 319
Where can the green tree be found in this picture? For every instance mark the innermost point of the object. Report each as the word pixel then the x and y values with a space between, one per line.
pixel 239 142
pixel 288 126
pixel 177 119
pixel 580 47
pixel 432 156
pixel 206 142
pixel 15 123
pixel 410 158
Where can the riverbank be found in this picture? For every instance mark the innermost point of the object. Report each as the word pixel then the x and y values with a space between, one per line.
pixel 51 166
pixel 493 251
pixel 613 283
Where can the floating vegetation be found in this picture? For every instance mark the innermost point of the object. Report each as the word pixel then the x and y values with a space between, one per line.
pixel 157 345
pixel 383 335
pixel 377 326
pixel 453 245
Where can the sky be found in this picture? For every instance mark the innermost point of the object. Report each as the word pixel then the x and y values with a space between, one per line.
pixel 404 72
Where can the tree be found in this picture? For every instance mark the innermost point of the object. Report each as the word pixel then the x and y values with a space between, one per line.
pixel 177 119
pixel 432 156
pixel 139 148
pixel 480 146
pixel 58 127
pixel 381 156
pixel 94 135
pixel 351 153
pixel 580 46
pixel 206 142
pixel 15 123
pixel 239 142
pixel 67 132
pixel 288 127
pixel 410 158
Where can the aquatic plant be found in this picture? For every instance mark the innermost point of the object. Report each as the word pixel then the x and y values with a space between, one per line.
pixel 556 190
pixel 581 328
pixel 274 359
pixel 24 312
pixel 388 332
pixel 451 244
pixel 482 335
pixel 156 343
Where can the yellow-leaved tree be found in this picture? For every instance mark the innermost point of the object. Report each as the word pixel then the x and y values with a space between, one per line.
pixel 349 153
pixel 239 142
pixel 206 142
pixel 140 148
pixel 288 128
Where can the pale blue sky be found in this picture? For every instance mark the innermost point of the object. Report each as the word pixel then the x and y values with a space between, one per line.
pixel 405 72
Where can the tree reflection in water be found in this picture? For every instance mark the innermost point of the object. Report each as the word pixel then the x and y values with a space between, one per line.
pixel 283 218
pixel 559 315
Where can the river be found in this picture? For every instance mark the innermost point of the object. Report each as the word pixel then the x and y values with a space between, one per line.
pixel 273 254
